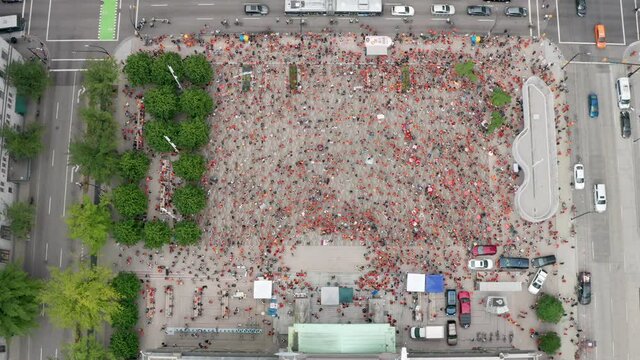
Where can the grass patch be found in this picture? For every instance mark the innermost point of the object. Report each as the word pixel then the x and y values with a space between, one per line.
pixel 293 77
pixel 406 78
pixel 497 119
pixel 465 69
pixel 246 78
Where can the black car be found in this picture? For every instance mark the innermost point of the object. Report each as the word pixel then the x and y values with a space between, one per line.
pixel 450 297
pixel 584 287
pixel 625 124
pixel 478 10
pixel 513 263
pixel 581 7
pixel 543 261
pixel 515 11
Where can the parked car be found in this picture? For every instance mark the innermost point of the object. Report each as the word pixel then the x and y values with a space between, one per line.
pixel 584 287
pixel 578 176
pixel 256 9
pixel 581 7
pixel 600 197
pixel 452 332
pixel 538 281
pixel 625 125
pixel 480 264
pixel 464 298
pixel 442 9
pixel 506 262
pixel 402 10
pixel 480 250
pixel 516 11
pixel 478 10
pixel 543 261
pixel 450 298
pixel 601 36
pixel 593 105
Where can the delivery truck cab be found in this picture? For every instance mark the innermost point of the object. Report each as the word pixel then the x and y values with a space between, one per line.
pixel 427 332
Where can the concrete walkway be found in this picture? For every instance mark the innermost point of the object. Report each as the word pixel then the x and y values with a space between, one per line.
pixel 535 151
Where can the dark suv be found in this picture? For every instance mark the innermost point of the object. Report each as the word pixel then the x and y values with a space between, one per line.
pixel 543 261
pixel 625 124
pixel 513 263
pixel 450 297
pixel 581 7
pixel 478 10
pixel 584 287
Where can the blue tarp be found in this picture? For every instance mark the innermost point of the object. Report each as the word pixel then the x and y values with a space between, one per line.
pixel 434 283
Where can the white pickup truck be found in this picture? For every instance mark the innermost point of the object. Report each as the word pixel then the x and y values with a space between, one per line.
pixel 427 332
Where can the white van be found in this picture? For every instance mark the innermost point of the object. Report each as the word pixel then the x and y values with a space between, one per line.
pixel 600 197
pixel 623 91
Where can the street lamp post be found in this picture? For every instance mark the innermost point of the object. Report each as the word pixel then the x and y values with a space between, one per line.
pixel 573 57
pixel 581 215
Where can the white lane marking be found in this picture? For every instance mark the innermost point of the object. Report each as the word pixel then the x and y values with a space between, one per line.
pixel 40 352
pixel 589 43
pixel 49 205
pixel 30 12
pixel 60 258
pixel 64 200
pixel 137 7
pixel 398 18
pixel 57 109
pixel 538 18
pixel 48 21
pixel 53 155
pixel 438 19
pixel 253 18
pixel 46 252
pixel 159 5
pixel 635 14
pixel 624 40
pixel 66 70
pixel 486 20
pixel 118 25
pixel 530 27
pixel 56 354
pixel 24 6
pixel 204 19
pixel 592 63
pixel 206 4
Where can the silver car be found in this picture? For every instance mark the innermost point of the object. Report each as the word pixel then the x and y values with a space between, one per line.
pixel 256 9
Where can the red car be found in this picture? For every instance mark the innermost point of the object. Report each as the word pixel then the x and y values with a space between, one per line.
pixel 484 250
pixel 464 298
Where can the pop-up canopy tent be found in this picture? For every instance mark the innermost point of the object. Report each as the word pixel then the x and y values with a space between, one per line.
pixel 262 289
pixel 435 283
pixel 415 282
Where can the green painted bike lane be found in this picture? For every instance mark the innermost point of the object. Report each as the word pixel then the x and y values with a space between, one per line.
pixel 108 20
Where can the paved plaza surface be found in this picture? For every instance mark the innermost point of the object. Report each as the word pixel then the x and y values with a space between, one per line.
pixel 349 181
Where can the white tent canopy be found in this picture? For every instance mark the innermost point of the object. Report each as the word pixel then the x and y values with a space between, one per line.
pixel 416 282
pixel 377 45
pixel 330 295
pixel 262 289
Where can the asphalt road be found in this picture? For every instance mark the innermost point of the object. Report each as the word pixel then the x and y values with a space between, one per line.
pixel 607 241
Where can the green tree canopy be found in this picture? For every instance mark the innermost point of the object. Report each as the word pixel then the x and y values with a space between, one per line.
pixel 19 305
pixel 30 78
pixel 190 167
pixel 156 130
pixel 25 144
pixel 99 80
pixel 549 309
pixel 128 285
pixel 196 103
pixel 465 69
pixel 96 151
pixel 129 200
pixel 549 342
pixel 197 69
pixel 497 120
pixel 90 223
pixel 161 102
pixel 156 234
pixel 124 344
pixel 187 232
pixel 127 317
pixel 192 134
pixel 133 165
pixel 21 217
pixel 499 97
pixel 87 348
pixel 128 232
pixel 80 299
pixel 160 69
pixel 189 200
pixel 138 68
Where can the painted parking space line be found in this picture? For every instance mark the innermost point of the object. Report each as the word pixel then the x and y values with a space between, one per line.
pixel 486 20
pixel 205 19
pixel 108 21
pixel 159 5
pixel 206 4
